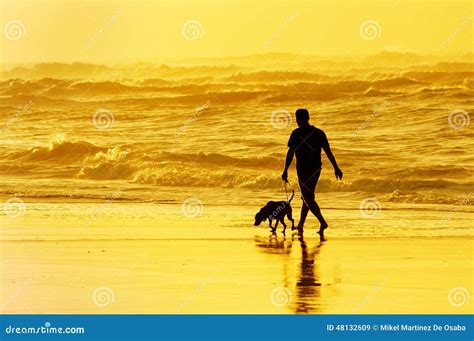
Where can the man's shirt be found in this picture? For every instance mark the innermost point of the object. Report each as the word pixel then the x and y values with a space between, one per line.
pixel 308 142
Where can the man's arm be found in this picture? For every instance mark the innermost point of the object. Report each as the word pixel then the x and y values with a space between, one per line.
pixel 289 159
pixel 330 155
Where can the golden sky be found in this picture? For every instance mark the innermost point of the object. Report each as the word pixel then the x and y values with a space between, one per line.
pixel 108 31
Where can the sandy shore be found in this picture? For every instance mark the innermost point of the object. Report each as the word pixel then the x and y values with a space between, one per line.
pixel 145 258
pixel 258 274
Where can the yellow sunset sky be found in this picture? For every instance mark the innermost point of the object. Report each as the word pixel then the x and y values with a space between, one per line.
pixel 108 31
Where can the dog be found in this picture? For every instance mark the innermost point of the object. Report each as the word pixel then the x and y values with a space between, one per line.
pixel 276 210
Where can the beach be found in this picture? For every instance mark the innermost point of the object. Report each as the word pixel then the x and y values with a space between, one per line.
pixel 132 188
pixel 219 263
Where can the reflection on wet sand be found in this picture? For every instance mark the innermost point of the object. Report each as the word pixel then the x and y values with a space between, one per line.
pixel 304 286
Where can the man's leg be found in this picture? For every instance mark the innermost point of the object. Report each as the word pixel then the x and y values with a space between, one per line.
pixel 308 184
pixel 314 208
pixel 303 215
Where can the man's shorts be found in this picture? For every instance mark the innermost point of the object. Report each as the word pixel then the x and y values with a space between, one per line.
pixel 308 179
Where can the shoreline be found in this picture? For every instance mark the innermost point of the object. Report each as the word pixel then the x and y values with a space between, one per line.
pixel 314 237
pixel 272 275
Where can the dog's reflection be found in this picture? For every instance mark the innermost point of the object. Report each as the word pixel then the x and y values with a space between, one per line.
pixel 304 286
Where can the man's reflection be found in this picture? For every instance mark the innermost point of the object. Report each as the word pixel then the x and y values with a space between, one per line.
pixel 304 286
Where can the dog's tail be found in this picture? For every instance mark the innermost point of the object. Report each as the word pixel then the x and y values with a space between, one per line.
pixel 292 196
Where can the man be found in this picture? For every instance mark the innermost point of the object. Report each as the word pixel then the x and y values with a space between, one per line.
pixel 306 142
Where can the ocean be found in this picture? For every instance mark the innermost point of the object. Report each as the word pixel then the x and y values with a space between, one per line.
pixel 398 126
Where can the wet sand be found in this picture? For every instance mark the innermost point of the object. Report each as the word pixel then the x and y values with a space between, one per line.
pixel 260 273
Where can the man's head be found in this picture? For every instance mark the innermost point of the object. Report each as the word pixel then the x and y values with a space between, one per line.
pixel 302 117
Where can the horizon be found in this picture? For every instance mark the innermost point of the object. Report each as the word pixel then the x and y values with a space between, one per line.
pixel 179 62
pixel 120 31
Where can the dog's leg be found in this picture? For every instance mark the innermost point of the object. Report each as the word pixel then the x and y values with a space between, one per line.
pixel 270 223
pixel 290 218
pixel 283 223
pixel 275 227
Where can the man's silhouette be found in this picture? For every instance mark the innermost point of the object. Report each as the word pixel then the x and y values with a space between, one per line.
pixel 306 142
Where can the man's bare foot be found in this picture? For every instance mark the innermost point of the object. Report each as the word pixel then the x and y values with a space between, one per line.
pixel 299 227
pixel 321 231
pixel 299 230
pixel 323 226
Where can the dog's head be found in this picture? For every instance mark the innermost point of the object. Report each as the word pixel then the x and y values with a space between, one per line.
pixel 259 217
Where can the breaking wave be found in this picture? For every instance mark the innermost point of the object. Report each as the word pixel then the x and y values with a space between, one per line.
pixel 90 161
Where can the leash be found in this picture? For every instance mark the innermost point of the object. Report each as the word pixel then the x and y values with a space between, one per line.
pixel 286 190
